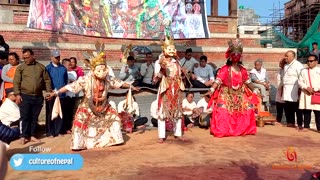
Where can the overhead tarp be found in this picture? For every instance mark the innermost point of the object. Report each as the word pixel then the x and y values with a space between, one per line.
pixel 312 35
pixel 137 19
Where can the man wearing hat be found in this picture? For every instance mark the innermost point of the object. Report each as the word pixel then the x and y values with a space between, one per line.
pixel 30 79
pixel 9 110
pixel 59 78
pixel 9 118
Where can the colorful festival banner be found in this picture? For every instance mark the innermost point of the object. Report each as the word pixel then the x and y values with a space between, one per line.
pixel 136 19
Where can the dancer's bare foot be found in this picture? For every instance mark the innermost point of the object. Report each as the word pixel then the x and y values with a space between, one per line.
pixel 34 139
pixel 23 140
pixel 190 125
pixel 142 127
pixel 69 132
pixel 161 140
pixel 278 124
pixel 180 138
pixel 129 131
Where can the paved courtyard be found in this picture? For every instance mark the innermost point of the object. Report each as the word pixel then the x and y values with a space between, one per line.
pixel 256 157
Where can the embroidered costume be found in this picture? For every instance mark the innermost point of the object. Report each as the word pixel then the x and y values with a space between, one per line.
pixel 233 111
pixel 96 124
pixel 170 89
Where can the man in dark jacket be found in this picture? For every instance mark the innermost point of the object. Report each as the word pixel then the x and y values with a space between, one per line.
pixel 30 79
pixel 59 78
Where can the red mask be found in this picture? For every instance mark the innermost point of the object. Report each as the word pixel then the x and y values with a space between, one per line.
pixel 235 57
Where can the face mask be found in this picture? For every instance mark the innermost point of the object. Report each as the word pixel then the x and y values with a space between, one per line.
pixel 235 57
pixel 100 71
pixel 170 51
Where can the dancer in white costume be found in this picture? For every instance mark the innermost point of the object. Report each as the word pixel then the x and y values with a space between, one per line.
pixel 96 124
pixel 168 70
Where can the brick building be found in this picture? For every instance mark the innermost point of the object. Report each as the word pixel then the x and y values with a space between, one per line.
pixel 222 28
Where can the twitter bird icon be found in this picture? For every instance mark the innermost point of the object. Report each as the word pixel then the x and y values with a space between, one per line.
pixel 16 160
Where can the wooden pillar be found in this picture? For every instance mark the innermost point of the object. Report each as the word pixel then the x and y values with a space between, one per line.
pixel 214 7
pixel 233 8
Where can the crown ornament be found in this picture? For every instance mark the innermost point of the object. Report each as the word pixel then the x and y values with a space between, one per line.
pixel 97 57
pixel 126 53
pixel 168 41
pixel 235 46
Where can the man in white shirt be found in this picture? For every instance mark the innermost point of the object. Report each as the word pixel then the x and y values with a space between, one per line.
pixel 130 73
pixel 132 107
pixel 189 110
pixel 279 102
pixel 205 111
pixel 154 113
pixel 110 73
pixel 260 79
pixel 9 116
pixel 70 99
pixel 112 104
pixel 147 70
pixel 309 83
pixel 290 93
pixel 203 75
pixel 188 63
pixel 9 110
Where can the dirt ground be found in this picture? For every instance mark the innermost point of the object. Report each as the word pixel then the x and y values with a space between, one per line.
pixel 255 157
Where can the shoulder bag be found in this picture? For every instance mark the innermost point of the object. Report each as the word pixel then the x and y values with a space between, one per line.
pixel 315 97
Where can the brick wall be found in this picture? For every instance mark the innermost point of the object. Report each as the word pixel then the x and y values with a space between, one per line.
pixel 216 25
pixel 54 37
pixel 20 18
pixel 218 28
pixel 43 54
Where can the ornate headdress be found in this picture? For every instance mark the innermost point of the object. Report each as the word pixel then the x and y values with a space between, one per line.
pixel 126 53
pixel 167 42
pixel 234 46
pixel 95 58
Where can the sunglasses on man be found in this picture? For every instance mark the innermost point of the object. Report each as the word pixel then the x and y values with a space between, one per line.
pixel 311 61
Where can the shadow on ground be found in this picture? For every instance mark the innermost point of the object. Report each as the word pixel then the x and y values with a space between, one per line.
pixel 242 169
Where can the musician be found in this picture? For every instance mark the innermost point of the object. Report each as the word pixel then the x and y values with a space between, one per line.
pixel 203 75
pixel 188 63
pixel 147 71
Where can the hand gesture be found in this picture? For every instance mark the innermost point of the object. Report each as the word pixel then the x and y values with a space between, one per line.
pixel 193 77
pixel 135 88
pixel 309 90
pixel 50 95
pixel 18 99
pixel 266 85
pixel 184 71
pixel 155 80
pixel 208 83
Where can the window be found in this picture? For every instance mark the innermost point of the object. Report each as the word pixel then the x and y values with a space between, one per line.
pixel 248 32
pixel 24 1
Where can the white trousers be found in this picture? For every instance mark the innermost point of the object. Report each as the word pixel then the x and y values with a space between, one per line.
pixel 162 128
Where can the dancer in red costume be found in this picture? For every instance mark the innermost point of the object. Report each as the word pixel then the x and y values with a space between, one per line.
pixel 233 101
